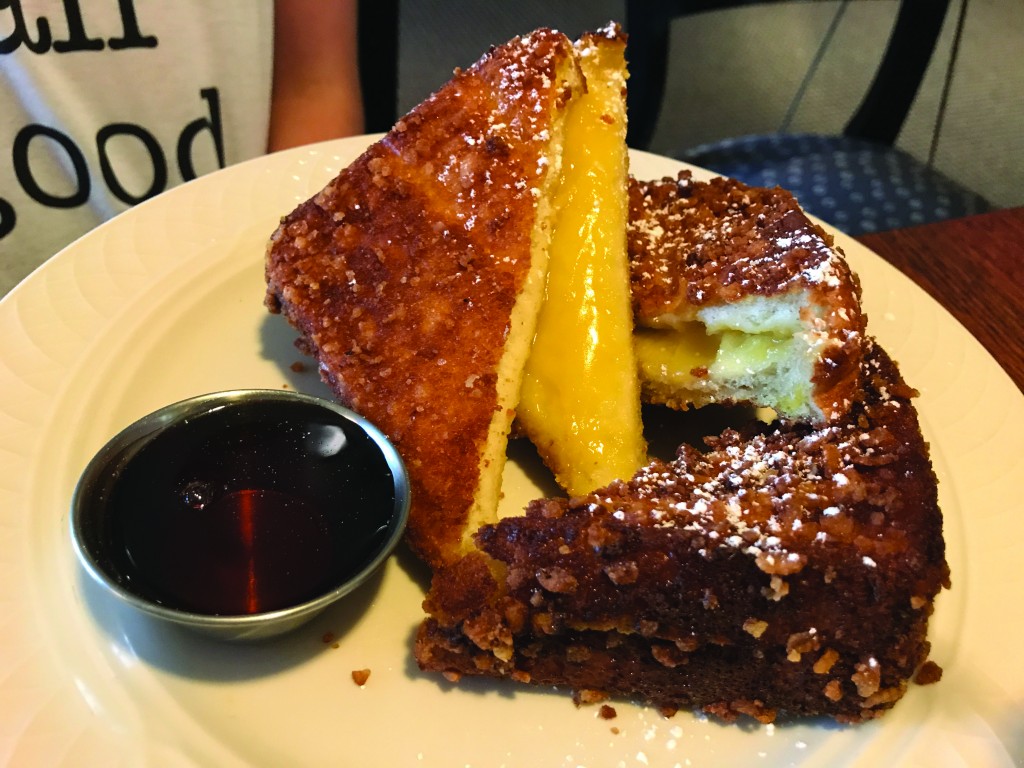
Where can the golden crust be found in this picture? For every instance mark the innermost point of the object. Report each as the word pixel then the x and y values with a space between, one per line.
pixel 402 274
pixel 695 245
pixel 788 569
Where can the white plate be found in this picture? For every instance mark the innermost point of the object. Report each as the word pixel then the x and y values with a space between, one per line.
pixel 165 302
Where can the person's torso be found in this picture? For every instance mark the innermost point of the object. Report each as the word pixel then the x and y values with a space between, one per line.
pixel 106 103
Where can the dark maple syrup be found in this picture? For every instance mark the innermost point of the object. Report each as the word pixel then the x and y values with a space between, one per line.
pixel 247 509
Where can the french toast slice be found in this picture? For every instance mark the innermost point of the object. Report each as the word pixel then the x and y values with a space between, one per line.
pixel 740 298
pixel 416 275
pixel 580 402
pixel 791 569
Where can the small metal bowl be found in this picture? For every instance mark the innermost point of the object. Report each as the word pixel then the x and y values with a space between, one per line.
pixel 240 514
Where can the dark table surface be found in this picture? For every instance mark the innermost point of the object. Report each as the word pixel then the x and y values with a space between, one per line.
pixel 974 267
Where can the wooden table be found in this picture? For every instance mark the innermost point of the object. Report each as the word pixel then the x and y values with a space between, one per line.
pixel 974 267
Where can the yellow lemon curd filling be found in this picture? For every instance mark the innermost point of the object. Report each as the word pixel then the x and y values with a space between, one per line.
pixel 580 400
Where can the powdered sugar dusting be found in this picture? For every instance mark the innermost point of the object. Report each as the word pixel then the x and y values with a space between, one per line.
pixel 698 243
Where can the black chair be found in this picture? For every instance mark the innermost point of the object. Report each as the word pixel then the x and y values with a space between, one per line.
pixel 377 36
pixel 858 180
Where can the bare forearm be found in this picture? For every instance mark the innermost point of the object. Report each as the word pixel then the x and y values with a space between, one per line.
pixel 316 80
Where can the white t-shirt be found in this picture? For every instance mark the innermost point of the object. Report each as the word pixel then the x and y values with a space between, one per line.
pixel 105 103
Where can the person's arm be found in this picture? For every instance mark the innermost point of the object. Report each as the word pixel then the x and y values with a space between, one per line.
pixel 316 92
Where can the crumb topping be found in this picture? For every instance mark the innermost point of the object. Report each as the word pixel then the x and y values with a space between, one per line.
pixel 696 243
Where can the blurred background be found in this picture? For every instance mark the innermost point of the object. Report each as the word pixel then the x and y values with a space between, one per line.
pixel 734 72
